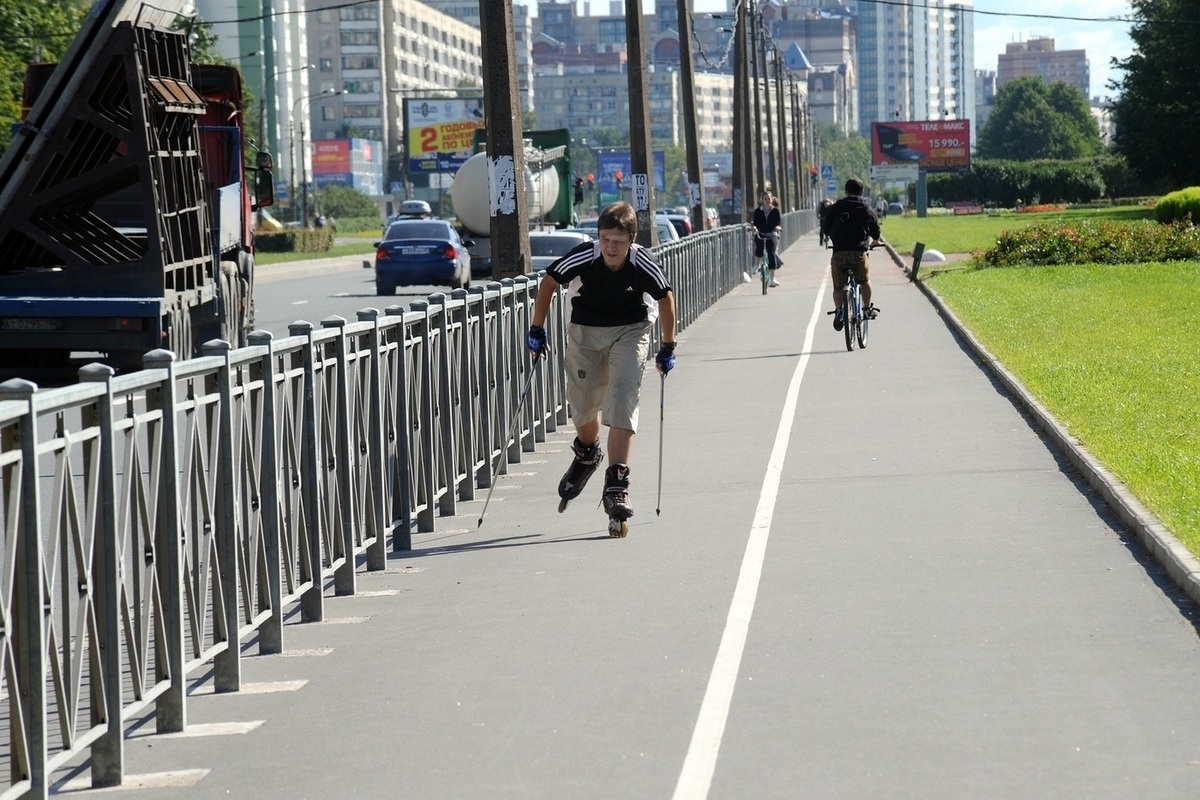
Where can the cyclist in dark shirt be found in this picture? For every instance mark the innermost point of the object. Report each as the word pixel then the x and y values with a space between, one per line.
pixel 852 228
pixel 616 289
pixel 768 222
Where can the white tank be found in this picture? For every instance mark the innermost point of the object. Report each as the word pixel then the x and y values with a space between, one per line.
pixel 471 197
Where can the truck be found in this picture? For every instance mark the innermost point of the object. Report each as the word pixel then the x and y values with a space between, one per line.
pixel 547 191
pixel 126 203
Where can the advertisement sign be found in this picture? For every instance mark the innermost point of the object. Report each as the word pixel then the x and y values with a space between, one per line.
pixel 439 133
pixel 934 146
pixel 614 168
pixel 331 156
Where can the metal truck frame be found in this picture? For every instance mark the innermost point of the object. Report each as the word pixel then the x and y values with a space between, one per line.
pixel 125 215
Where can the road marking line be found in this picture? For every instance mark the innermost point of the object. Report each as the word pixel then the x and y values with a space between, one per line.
pixel 695 778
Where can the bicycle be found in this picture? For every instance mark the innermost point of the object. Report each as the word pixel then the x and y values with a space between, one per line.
pixel 856 319
pixel 764 266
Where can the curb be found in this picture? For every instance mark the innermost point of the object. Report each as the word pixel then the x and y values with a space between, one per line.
pixel 1180 564
pixel 265 273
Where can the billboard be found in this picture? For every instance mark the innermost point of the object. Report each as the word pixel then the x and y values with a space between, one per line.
pixel 349 162
pixel 612 164
pixel 942 145
pixel 439 133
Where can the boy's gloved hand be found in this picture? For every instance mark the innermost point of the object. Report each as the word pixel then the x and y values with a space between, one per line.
pixel 665 360
pixel 535 340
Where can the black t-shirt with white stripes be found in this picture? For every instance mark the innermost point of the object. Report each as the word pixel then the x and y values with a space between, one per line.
pixel 605 298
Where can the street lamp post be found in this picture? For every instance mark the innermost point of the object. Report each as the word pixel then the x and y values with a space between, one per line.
pixel 303 205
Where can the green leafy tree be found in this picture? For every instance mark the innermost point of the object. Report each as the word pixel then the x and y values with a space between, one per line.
pixel 850 156
pixel 1157 112
pixel 31 32
pixel 1033 119
pixel 347 202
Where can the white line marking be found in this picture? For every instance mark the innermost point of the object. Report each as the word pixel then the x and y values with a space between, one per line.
pixel 695 778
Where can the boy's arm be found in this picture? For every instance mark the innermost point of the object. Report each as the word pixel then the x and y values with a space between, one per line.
pixel 541 304
pixel 666 317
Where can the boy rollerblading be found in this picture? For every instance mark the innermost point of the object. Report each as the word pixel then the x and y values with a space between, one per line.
pixel 616 500
pixel 587 458
pixel 619 291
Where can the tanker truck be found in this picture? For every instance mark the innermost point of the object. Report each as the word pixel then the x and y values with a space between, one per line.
pixel 547 193
pixel 126 205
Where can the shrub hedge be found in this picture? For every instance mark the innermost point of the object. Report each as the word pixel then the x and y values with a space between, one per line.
pixel 1180 206
pixel 298 240
pixel 1087 241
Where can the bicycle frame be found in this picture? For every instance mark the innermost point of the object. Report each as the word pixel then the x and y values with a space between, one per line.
pixel 764 265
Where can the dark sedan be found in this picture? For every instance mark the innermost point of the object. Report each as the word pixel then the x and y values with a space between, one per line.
pixel 416 252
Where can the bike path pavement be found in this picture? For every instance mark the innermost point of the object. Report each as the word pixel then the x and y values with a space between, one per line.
pixel 872 576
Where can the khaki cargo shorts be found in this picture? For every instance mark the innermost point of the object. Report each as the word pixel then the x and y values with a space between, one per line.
pixel 845 260
pixel 604 372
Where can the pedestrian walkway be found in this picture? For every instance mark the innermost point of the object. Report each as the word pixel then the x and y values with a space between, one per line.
pixel 871 577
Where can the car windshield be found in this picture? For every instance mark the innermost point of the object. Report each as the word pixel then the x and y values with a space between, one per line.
pixel 414 229
pixel 551 245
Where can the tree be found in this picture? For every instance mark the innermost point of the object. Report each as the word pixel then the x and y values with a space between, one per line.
pixel 31 33
pixel 1158 109
pixel 1033 119
pixel 347 202
pixel 850 156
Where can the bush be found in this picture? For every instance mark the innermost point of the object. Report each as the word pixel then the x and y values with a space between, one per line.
pixel 1043 244
pixel 345 201
pixel 996 182
pixel 1180 206
pixel 298 240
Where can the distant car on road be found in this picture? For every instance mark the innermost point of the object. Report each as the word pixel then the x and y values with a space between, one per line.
pixel 546 247
pixel 415 252
pixel 682 223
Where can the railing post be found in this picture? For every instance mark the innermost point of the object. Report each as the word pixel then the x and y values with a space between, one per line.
pixel 170 710
pixel 108 752
pixel 508 387
pixel 445 403
pixel 227 664
pixel 312 601
pixel 491 369
pixel 373 457
pixel 425 518
pixel 28 717
pixel 270 633
pixel 467 369
pixel 402 502
pixel 344 578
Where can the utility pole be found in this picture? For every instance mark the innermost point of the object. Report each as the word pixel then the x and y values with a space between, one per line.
pixel 391 125
pixel 639 125
pixel 771 155
pixel 505 143
pixel 691 134
pixel 757 151
pixel 746 113
pixel 781 114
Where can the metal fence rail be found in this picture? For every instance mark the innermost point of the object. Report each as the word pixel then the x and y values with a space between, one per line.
pixel 152 522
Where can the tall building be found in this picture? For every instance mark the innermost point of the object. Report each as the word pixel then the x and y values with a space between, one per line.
pixel 1038 57
pixel 468 12
pixel 915 62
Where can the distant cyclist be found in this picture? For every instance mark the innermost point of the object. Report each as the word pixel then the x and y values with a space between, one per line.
pixel 822 210
pixel 768 223
pixel 852 228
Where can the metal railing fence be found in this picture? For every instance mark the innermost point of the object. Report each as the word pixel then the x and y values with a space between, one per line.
pixel 153 522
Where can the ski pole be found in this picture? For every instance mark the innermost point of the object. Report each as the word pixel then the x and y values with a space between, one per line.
pixel 662 393
pixel 512 429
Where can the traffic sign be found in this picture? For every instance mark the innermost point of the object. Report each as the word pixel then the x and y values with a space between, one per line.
pixel 827 172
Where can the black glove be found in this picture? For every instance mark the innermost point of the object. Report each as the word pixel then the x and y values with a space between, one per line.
pixel 535 340
pixel 665 360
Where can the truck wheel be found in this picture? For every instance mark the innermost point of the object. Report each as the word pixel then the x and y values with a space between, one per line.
pixel 178 326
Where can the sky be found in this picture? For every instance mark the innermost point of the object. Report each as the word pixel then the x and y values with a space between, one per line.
pixel 1103 41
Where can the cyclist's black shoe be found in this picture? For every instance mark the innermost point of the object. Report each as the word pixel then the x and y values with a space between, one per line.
pixel 871 312
pixel 838 320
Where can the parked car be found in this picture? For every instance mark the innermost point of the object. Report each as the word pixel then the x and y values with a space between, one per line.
pixel 682 223
pixel 666 229
pixel 546 247
pixel 415 252
pixel 895 209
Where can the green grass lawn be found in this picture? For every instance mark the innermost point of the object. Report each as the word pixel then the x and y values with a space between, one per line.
pixel 355 249
pixel 965 234
pixel 1114 353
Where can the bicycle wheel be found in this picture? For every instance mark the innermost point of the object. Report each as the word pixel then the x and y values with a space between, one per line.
pixel 864 320
pixel 764 272
pixel 848 316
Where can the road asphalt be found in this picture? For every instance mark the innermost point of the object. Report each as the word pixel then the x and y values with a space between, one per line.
pixel 875 574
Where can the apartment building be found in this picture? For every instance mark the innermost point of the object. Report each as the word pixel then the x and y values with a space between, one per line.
pixel 1038 57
